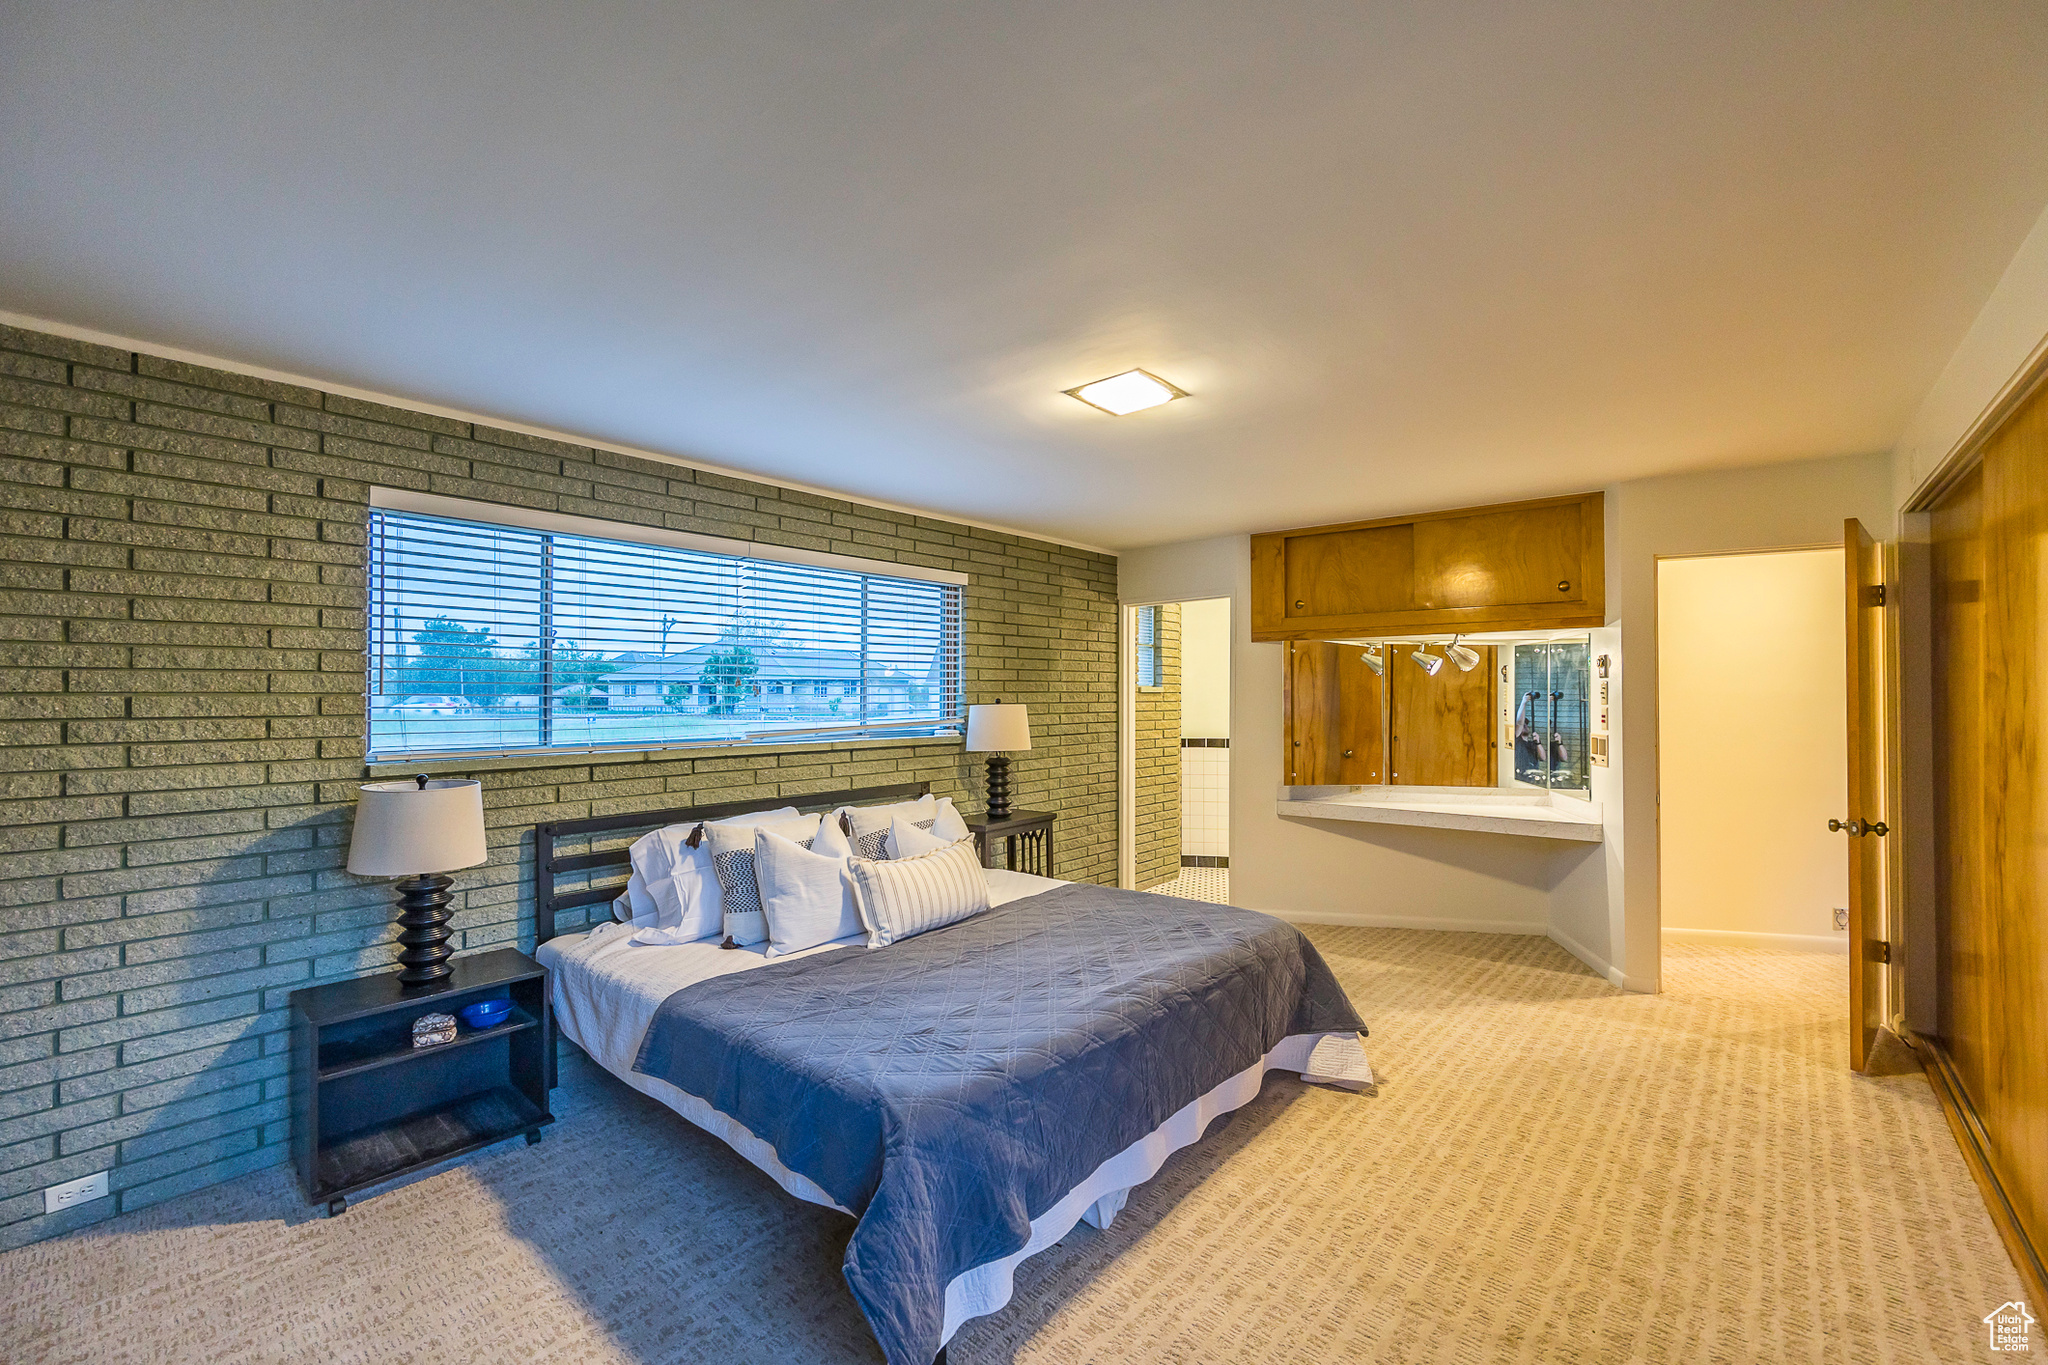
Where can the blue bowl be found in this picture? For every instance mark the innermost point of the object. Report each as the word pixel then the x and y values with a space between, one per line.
pixel 485 1013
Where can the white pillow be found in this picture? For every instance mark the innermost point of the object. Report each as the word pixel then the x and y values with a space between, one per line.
pixel 907 840
pixel 639 906
pixel 731 848
pixel 622 905
pixel 806 894
pixel 678 878
pixel 871 823
pixel 901 897
pixel 947 823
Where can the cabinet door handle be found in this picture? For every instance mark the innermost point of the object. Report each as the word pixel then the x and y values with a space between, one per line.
pixel 1564 585
pixel 1299 604
pixel 1347 753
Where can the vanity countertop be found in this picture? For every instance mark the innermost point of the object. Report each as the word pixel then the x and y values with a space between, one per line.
pixel 1488 810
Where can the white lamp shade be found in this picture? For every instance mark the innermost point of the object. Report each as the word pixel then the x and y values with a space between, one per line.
pixel 403 829
pixel 999 729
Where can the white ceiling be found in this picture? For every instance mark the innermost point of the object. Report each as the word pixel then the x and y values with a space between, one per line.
pixel 1404 255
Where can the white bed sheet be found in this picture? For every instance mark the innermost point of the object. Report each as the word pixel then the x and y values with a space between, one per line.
pixel 605 990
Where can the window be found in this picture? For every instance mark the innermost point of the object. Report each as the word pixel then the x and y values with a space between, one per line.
pixel 1148 647
pixel 488 638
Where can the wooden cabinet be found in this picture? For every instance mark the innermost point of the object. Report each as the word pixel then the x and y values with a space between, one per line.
pixel 1516 566
pixel 1348 726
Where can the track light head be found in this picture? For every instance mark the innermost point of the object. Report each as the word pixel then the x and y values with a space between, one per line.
pixel 1375 661
pixel 1431 664
pixel 1464 656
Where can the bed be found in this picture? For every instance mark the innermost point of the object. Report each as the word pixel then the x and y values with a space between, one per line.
pixel 969 1094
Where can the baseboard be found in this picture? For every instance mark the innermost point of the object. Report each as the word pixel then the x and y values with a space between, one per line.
pixel 1970 1136
pixel 1368 921
pixel 1615 975
pixel 1784 943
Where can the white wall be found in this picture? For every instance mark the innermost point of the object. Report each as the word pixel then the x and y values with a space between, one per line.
pixel 1336 870
pixel 1782 506
pixel 1598 900
pixel 1205 669
pixel 1753 746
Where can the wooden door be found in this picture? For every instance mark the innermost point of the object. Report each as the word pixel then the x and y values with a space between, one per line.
pixel 1440 729
pixel 1864 823
pixel 1311 709
pixel 1361 720
pixel 1335 730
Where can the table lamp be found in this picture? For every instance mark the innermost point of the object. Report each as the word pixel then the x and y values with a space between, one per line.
pixel 997 731
pixel 416 830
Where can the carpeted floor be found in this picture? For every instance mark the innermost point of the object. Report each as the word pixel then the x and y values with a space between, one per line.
pixel 1550 1171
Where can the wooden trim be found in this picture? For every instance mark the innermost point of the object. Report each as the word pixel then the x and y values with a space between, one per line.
pixel 1969 448
pixel 1970 1136
pixel 1445 514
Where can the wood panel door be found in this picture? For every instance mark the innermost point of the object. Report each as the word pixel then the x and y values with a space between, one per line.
pixel 1864 823
pixel 1335 732
pixel 1989 610
pixel 1361 720
pixel 1440 729
pixel 1310 734
pixel 1524 565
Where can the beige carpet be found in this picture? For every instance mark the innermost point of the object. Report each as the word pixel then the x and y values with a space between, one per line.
pixel 1551 1171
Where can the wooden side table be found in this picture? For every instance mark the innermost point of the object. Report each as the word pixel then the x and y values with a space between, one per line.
pixel 1027 839
pixel 367 1105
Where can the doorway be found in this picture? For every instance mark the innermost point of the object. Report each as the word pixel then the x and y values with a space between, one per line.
pixel 1752 749
pixel 1177 748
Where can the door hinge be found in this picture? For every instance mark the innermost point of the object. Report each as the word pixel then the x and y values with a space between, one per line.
pixel 1877 594
pixel 1880 951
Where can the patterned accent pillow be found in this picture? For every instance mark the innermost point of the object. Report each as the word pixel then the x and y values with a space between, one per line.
pixel 732 863
pixel 901 897
pixel 867 825
pixel 875 844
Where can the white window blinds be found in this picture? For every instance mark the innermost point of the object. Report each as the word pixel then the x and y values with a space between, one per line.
pixel 490 639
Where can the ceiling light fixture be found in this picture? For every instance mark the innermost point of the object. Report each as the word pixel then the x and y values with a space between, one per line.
pixel 1464 656
pixel 1126 393
pixel 1431 664
pixel 1374 661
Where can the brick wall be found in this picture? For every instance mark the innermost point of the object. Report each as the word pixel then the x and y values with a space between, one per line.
pixel 181 701
pixel 1158 762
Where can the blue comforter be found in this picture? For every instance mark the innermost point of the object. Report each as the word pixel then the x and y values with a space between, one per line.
pixel 952 1087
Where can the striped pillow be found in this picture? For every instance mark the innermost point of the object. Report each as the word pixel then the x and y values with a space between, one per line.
pixel 900 897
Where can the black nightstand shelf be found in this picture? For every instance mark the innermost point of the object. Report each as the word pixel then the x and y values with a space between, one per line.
pixel 1026 836
pixel 368 1105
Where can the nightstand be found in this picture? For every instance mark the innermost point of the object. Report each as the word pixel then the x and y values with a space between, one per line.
pixel 1030 829
pixel 367 1105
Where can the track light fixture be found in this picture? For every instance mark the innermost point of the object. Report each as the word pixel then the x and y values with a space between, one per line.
pixel 1431 664
pixel 1464 656
pixel 1375 661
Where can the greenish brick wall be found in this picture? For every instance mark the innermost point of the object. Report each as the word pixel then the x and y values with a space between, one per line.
pixel 181 706
pixel 1157 767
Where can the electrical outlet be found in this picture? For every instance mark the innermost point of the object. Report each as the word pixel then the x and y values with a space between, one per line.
pixel 1842 918
pixel 82 1190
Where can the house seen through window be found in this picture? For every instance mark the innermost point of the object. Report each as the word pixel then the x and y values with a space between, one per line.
pixel 489 638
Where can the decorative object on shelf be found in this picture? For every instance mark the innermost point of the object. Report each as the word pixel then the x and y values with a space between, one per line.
pixel 368 1106
pixel 998 731
pixel 486 1013
pixel 417 830
pixel 432 1030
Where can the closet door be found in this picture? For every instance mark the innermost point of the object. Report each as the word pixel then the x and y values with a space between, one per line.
pixel 1310 735
pixel 1440 728
pixel 1361 758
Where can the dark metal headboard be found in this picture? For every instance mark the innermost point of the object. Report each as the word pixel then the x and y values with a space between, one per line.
pixel 547 863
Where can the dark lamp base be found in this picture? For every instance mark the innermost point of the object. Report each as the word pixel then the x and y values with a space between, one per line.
pixel 998 787
pixel 423 930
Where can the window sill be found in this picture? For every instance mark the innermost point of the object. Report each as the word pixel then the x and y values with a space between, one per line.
pixel 564 758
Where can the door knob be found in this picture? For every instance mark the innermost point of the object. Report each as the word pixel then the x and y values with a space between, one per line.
pixel 1835 826
pixel 1859 827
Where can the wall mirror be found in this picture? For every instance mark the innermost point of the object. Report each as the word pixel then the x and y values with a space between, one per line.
pixel 1498 710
